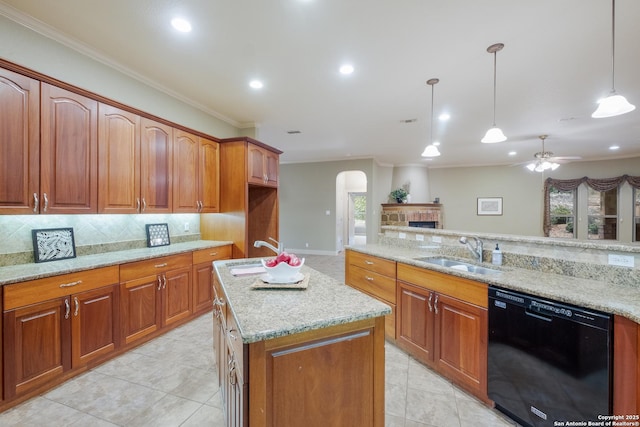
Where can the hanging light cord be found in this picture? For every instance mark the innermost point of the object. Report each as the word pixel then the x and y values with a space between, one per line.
pixel 495 59
pixel 431 134
pixel 613 45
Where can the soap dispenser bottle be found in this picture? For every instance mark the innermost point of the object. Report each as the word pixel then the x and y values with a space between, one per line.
pixel 496 257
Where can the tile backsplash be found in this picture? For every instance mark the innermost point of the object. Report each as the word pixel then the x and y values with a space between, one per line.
pixel 92 233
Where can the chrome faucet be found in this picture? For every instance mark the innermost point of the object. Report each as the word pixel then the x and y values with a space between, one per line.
pixel 278 250
pixel 477 251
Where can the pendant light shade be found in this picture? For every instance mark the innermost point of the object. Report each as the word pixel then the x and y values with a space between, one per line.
pixel 431 150
pixel 614 104
pixel 495 133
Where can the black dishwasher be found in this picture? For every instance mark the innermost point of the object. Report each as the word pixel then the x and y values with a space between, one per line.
pixel 548 361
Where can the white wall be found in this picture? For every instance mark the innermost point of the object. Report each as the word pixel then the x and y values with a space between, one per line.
pixel 415 179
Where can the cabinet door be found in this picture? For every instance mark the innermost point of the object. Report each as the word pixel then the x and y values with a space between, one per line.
pixel 19 143
pixel 208 180
pixel 272 168
pixel 156 165
pixel 68 152
pixel 186 149
pixel 177 295
pixel 140 307
pixel 94 324
pixel 119 154
pixel 36 344
pixel 415 321
pixel 202 287
pixel 461 343
pixel 256 173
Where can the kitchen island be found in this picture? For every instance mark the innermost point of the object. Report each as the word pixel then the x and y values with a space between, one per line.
pixel 289 357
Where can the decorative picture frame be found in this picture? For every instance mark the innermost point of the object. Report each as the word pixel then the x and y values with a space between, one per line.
pixel 157 235
pixel 489 205
pixel 53 244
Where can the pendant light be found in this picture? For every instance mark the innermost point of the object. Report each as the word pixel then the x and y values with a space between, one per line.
pixel 495 133
pixel 431 150
pixel 614 104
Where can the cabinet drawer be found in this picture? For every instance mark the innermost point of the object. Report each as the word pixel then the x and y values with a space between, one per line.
pixel 211 254
pixel 34 291
pixel 463 289
pixel 134 270
pixel 372 283
pixel 372 263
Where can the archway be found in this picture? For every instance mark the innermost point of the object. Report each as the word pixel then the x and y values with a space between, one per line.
pixel 351 203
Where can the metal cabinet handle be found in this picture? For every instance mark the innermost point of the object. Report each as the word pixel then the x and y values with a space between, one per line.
pixel 46 201
pixel 164 281
pixel 36 202
pixel 67 308
pixel 164 264
pixel 159 282
pixel 144 205
pixel 233 337
pixel 75 301
pixel 68 285
pixel 219 302
pixel 369 278
pixel 137 204
pixel 368 262
pixel 435 304
pixel 429 302
pixel 213 253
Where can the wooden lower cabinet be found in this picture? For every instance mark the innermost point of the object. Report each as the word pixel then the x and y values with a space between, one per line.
pixel 626 362
pixel 376 277
pixel 45 339
pixel 203 276
pixel 443 322
pixel 154 293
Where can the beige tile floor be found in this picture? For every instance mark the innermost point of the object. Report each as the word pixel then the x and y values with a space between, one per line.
pixel 170 381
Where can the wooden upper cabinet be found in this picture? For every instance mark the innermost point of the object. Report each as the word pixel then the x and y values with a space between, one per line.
pixel 196 162
pixel 186 148
pixel 263 166
pixel 156 155
pixel 209 176
pixel 19 143
pixel 68 152
pixel 119 153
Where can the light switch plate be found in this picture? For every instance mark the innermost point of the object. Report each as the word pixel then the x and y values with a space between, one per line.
pixel 436 239
pixel 419 237
pixel 402 235
pixel 621 260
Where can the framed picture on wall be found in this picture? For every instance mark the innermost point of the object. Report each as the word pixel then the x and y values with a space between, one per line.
pixel 489 205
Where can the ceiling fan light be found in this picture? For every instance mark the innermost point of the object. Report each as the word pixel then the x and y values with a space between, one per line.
pixel 431 151
pixel 493 135
pixel 612 105
pixel 554 166
pixel 531 166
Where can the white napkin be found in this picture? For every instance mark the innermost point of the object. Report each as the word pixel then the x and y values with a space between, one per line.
pixel 249 270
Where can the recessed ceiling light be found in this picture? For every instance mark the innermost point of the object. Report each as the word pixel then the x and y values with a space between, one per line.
pixel 512 153
pixel 256 84
pixel 614 147
pixel 346 69
pixel 444 117
pixel 181 25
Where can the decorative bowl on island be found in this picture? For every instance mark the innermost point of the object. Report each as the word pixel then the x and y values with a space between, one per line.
pixel 285 268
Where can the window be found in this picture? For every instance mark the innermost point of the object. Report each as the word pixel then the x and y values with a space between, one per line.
pixel 562 213
pixel 602 214
pixel 594 209
pixel 636 214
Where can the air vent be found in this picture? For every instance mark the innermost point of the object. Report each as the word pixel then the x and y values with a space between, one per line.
pixel 408 121
pixel 293 132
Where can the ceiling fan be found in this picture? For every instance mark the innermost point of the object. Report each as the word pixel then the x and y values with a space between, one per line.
pixel 545 160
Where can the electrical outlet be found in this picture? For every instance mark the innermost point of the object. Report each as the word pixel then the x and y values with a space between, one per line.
pixel 306 245
pixel 186 226
pixel 621 260
pixel 402 235
pixel 436 239
pixel 419 237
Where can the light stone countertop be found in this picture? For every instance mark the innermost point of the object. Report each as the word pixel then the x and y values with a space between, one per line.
pixel 598 295
pixel 23 272
pixel 263 314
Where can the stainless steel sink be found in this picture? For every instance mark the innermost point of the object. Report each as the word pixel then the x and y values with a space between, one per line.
pixel 242 269
pixel 458 265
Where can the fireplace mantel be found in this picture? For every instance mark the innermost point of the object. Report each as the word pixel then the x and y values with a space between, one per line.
pixel 412 214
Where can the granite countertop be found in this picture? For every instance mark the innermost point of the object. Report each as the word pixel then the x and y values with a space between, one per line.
pixel 263 314
pixel 598 295
pixel 23 272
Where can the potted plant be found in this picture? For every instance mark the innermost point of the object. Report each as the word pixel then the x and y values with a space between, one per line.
pixel 399 195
